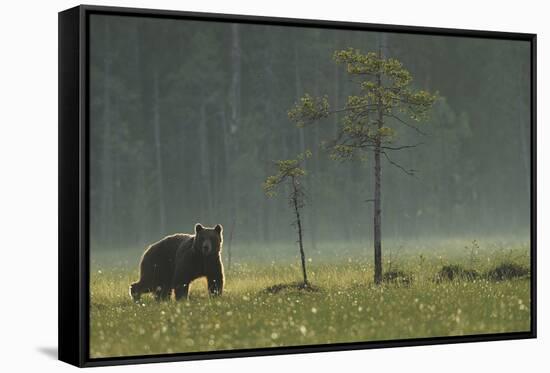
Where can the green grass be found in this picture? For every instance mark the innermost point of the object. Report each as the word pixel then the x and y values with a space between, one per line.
pixel 347 308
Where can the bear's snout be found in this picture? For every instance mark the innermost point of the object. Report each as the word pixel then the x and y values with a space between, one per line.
pixel 207 248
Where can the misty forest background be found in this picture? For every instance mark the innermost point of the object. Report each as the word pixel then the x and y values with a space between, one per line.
pixel 186 118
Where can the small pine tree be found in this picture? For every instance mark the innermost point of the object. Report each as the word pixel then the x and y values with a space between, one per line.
pixel 290 172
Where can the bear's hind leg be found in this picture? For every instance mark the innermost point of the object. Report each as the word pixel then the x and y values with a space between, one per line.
pixel 167 294
pixel 182 291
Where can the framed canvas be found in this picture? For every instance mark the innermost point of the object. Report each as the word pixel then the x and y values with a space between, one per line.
pixel 235 186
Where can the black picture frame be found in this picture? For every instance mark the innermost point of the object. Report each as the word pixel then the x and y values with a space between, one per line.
pixel 74 184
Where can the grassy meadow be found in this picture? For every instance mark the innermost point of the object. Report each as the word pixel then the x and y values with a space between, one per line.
pixel 456 288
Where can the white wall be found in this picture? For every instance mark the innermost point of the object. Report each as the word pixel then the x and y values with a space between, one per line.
pixel 28 182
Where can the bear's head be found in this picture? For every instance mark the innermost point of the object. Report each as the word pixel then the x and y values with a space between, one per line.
pixel 208 240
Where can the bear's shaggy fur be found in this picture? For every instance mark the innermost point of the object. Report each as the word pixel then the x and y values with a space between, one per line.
pixel 176 260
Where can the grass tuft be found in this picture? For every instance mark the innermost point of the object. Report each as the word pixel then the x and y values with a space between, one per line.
pixel 398 277
pixel 300 286
pixel 507 271
pixel 454 272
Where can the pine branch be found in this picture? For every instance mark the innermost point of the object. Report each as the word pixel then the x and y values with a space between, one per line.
pixel 401 147
pixel 408 124
pixel 409 172
pixel 350 108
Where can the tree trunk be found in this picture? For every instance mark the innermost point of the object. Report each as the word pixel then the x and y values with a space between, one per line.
pixel 377 216
pixel 299 227
pixel 524 136
pixel 301 143
pixel 158 153
pixel 377 190
pixel 205 162
pixel 313 162
pixel 266 144
pixel 139 211
pixel 235 77
pixel 234 127
pixel 230 243
pixel 105 224
pixel 229 179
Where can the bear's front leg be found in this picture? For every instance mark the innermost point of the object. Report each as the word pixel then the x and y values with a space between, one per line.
pixel 135 291
pixel 182 291
pixel 215 286
pixel 163 293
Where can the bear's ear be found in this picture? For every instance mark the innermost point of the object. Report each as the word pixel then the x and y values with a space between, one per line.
pixel 218 228
pixel 198 227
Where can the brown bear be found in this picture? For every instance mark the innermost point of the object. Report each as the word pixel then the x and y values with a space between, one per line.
pixel 176 260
